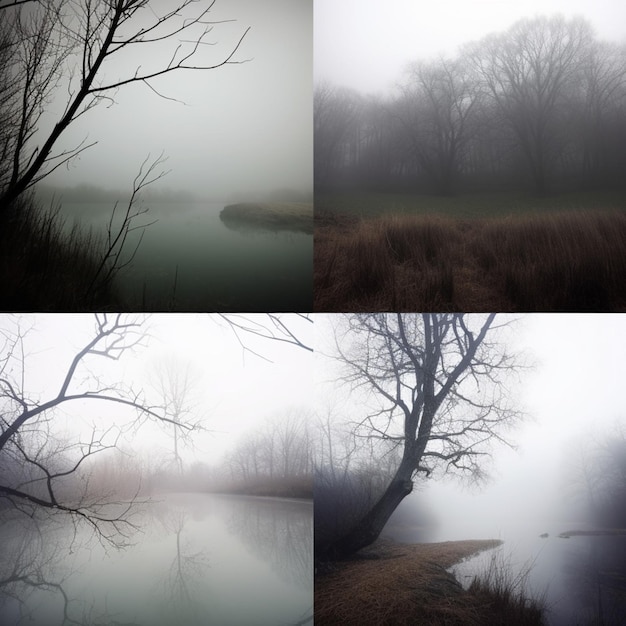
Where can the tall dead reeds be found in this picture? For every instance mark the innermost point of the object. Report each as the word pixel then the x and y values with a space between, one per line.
pixel 563 261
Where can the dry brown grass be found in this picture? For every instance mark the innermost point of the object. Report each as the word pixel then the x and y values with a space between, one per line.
pixel 568 261
pixel 294 216
pixel 400 584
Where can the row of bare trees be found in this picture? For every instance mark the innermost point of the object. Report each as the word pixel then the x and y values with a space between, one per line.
pixel 542 104
pixel 278 454
pixel 594 479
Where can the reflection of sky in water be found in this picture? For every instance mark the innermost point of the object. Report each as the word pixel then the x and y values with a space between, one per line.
pixel 565 570
pixel 191 565
pixel 210 265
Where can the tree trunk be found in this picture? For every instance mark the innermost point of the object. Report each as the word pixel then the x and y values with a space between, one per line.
pixel 370 526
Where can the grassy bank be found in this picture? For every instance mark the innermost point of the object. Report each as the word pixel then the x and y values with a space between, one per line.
pixel 42 268
pixel 555 261
pixel 293 216
pixel 465 206
pixel 408 584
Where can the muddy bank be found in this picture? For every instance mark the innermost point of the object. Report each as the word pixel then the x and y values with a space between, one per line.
pixel 392 583
pixel 292 216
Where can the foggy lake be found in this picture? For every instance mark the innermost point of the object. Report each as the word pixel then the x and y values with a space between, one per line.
pixel 199 559
pixel 583 578
pixel 189 260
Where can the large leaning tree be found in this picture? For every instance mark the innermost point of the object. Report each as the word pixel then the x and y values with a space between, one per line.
pixel 59 59
pixel 437 389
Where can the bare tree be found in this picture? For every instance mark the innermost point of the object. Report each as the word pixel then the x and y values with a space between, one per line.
pixel 287 328
pixel 437 382
pixel 594 477
pixel 41 470
pixel 176 383
pixel 336 112
pixel 601 99
pixel 529 71
pixel 57 49
pixel 440 98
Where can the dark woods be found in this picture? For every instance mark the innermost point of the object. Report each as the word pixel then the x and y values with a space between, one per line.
pixel 540 107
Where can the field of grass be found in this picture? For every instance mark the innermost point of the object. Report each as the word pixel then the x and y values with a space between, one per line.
pixel 469 205
pixel 408 584
pixel 525 260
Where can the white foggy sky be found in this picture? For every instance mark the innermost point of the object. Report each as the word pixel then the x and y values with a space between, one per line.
pixel 576 386
pixel 366 44
pixel 242 127
pixel 574 390
pixel 237 391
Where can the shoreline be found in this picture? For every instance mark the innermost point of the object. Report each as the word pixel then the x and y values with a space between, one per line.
pixel 275 216
pixel 394 583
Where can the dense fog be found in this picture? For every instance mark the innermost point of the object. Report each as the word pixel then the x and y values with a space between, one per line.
pixel 536 104
pixel 239 128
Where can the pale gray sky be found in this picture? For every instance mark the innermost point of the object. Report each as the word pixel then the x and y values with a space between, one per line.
pixel 241 127
pixel 366 44
pixel 574 393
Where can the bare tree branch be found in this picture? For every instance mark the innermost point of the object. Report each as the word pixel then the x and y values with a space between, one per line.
pixel 58 45
pixel 437 382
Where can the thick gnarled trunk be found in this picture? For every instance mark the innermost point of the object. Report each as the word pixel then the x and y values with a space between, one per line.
pixel 369 527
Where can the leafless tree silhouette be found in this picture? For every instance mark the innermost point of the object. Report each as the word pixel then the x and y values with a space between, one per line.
pixel 437 381
pixel 41 470
pixel 68 52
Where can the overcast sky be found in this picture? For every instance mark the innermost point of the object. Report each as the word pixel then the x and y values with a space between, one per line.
pixel 366 44
pixel 241 127
pixel 236 391
pixel 574 391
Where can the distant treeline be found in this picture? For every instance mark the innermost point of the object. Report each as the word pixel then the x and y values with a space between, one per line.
pixel 92 193
pixel 276 460
pixel 541 106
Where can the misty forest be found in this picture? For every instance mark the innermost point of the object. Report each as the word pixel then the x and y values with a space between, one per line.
pixel 126 494
pixel 138 169
pixel 487 180
pixel 468 472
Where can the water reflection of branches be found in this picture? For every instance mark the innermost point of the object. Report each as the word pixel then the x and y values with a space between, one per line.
pixel 35 567
pixel 179 589
pixel 281 533
pixel 596 573
pixel 41 470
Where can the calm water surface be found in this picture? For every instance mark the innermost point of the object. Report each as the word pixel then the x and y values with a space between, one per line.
pixel 189 260
pixel 583 578
pixel 200 559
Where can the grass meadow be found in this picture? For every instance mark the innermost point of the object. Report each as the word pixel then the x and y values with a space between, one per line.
pixel 417 253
